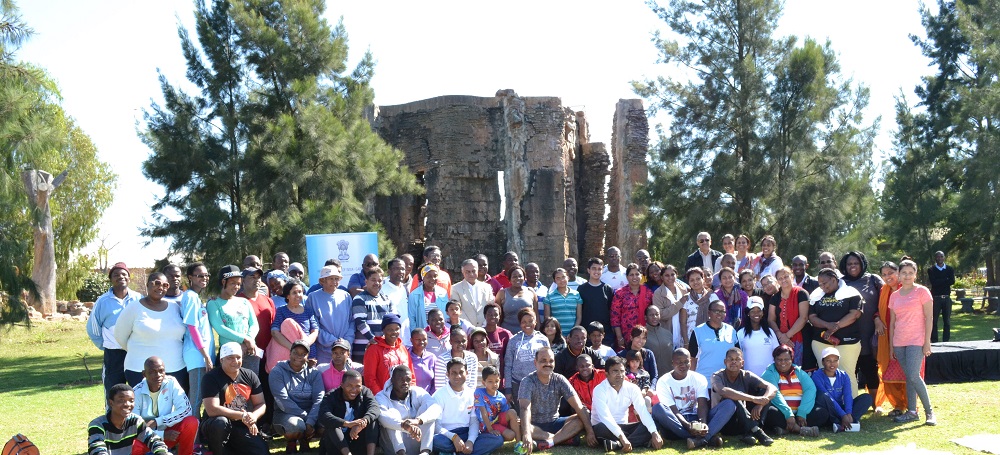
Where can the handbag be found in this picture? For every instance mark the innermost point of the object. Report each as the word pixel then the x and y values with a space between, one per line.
pixel 894 371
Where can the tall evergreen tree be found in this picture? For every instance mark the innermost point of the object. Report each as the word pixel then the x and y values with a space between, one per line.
pixel 275 144
pixel 941 187
pixel 764 133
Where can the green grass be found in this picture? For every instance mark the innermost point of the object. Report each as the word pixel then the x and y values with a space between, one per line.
pixel 46 394
pixel 971 326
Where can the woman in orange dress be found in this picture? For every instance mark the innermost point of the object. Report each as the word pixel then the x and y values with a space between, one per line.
pixel 892 388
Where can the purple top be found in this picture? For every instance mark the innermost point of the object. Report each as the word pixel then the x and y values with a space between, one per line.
pixel 423 370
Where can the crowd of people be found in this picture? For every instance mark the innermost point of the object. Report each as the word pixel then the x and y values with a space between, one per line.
pixel 737 344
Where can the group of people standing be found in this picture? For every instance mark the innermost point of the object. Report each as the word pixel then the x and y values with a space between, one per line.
pixel 405 359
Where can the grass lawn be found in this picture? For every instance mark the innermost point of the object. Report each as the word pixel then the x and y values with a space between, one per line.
pixel 45 393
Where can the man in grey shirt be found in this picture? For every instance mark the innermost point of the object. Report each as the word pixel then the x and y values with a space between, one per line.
pixel 539 396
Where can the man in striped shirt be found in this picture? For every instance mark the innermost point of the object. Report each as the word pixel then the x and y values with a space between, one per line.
pixel 368 308
pixel 115 432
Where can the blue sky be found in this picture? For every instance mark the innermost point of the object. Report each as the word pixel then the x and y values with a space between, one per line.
pixel 105 55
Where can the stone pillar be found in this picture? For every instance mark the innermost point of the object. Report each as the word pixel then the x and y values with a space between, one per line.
pixel 591 200
pixel 629 145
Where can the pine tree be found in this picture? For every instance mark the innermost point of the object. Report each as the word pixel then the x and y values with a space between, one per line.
pixel 275 144
pixel 764 133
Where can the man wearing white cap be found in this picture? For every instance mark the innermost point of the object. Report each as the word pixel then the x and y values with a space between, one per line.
pixel 332 307
pixel 234 401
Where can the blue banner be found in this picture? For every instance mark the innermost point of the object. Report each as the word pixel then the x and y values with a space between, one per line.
pixel 349 248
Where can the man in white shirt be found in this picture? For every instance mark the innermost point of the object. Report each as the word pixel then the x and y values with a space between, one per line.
pixel 612 399
pixel 683 398
pixel 458 427
pixel 163 405
pixel 408 414
pixel 472 293
pixel 613 274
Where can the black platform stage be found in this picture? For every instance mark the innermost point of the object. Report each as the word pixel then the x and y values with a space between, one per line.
pixel 966 361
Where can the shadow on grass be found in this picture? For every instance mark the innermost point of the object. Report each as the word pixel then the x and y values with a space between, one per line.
pixel 31 375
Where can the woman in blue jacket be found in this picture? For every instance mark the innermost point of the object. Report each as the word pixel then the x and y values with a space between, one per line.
pixel 833 391
pixel 796 398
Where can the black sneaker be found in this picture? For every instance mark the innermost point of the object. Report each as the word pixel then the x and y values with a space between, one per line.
pixel 693 443
pixel 612 446
pixel 748 439
pixel 763 438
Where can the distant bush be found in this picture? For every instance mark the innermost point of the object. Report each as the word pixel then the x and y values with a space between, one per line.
pixel 970 281
pixel 94 285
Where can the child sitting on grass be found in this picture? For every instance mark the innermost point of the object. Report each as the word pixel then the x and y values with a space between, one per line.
pixel 495 414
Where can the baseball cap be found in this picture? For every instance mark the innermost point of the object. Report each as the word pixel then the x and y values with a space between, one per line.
pixel 296 266
pixel 343 344
pixel 228 271
pixel 298 343
pixel 755 302
pixel 830 351
pixel 252 271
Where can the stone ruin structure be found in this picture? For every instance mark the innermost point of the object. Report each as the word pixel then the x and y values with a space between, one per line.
pixel 557 185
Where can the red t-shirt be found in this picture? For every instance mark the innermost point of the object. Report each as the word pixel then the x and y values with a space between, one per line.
pixel 263 309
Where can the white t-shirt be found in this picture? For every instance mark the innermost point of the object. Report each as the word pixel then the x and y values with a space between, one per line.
pixel 614 279
pixel 757 349
pixel 683 393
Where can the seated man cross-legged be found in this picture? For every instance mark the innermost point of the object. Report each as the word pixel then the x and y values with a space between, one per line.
pixel 539 396
pixel 171 417
pixel 407 415
pixel 458 428
pixel 684 407
pixel 234 401
pixel 349 416
pixel 612 399
pixel 742 387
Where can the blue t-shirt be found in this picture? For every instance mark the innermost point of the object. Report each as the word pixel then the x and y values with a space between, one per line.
pixel 493 404
pixel 195 313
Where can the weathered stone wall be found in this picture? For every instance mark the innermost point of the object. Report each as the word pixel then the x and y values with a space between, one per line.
pixel 554 179
pixel 629 144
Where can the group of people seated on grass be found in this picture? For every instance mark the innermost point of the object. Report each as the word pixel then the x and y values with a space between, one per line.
pixel 415 363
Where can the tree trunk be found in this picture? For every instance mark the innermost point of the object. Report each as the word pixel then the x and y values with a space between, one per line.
pixel 39 185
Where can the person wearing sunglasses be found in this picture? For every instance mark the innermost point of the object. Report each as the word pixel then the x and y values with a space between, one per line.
pixel 704 256
pixel 153 328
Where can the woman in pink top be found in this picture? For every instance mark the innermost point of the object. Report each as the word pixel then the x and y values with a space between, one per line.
pixel 910 327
